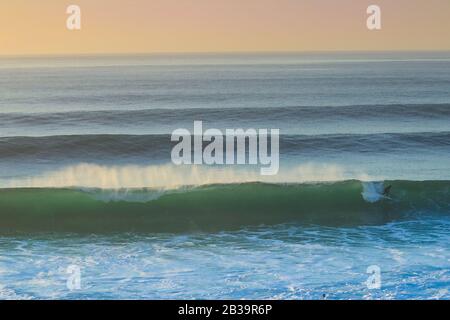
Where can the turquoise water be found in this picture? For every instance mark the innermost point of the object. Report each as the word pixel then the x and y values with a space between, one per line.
pixel 283 262
pixel 86 178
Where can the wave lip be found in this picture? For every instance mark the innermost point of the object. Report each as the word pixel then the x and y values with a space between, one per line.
pixel 215 207
pixel 169 176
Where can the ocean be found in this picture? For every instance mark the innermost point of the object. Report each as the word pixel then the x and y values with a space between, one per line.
pixel 87 182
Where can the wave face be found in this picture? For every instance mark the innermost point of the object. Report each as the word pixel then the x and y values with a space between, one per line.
pixel 216 207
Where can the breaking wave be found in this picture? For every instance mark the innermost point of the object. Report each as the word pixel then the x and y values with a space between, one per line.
pixel 210 208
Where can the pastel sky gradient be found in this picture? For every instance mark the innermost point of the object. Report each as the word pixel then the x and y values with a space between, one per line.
pixel 144 26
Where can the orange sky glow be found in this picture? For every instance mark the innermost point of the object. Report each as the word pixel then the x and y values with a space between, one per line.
pixel 29 27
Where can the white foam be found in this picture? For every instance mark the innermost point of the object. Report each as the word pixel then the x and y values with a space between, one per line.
pixel 170 176
pixel 373 191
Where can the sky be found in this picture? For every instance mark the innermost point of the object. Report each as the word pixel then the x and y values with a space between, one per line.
pixel 30 27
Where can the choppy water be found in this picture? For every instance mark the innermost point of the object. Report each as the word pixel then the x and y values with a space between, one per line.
pixel 82 131
pixel 284 262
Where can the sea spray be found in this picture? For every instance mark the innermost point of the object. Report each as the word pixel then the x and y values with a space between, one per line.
pixel 169 176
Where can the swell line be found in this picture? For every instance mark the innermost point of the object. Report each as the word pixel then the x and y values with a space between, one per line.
pixel 159 146
pixel 261 113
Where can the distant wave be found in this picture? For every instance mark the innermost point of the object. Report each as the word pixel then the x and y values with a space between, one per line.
pixel 260 114
pixel 215 207
pixel 163 121
pixel 88 148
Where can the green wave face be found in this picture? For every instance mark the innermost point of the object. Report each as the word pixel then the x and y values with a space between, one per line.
pixel 215 208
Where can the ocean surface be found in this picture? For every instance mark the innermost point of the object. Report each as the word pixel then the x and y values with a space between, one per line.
pixel 87 183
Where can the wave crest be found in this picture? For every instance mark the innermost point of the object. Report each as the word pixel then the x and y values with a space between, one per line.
pixel 169 176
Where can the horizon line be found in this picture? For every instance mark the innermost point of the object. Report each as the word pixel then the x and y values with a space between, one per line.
pixel 262 52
